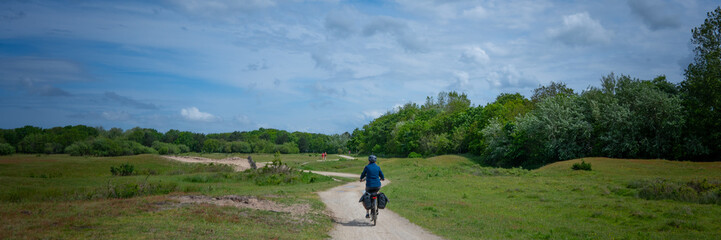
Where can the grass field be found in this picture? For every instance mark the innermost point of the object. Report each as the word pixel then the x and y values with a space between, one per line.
pixel 59 196
pixel 458 199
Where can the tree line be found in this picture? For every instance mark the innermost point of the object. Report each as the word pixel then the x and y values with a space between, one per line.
pixel 97 141
pixel 624 117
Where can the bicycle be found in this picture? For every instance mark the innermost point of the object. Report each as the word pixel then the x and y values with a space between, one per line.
pixel 374 206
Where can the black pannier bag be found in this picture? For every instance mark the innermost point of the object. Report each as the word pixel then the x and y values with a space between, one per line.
pixel 366 200
pixel 382 200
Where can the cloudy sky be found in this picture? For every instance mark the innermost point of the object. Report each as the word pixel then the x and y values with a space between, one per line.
pixel 316 66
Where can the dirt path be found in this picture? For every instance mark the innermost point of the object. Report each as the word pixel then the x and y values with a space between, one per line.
pixel 342 201
pixel 349 215
pixel 239 164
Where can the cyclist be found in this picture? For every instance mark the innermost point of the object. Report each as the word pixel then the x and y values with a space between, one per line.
pixel 373 175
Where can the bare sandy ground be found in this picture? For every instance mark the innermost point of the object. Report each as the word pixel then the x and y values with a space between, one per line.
pixel 342 202
pixel 239 164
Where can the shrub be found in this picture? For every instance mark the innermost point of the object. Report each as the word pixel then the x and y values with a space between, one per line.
pixel 81 148
pixel 105 147
pixel 287 148
pixel 124 170
pixel 278 173
pixel 696 191
pixel 414 155
pixel 6 149
pixel 583 165
pixel 240 147
pixel 132 148
pixel 169 148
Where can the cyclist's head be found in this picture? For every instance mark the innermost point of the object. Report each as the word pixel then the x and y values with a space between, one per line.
pixel 372 158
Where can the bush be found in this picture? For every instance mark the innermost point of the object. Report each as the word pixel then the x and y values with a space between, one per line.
pixel 6 149
pixel 278 173
pixel 169 148
pixel 414 155
pixel 287 148
pixel 696 191
pixel 79 149
pixel 240 147
pixel 124 170
pixel 105 147
pixel 583 165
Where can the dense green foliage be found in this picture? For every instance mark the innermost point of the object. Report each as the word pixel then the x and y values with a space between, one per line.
pixel 6 149
pixel 83 140
pixel 626 117
pixel 701 90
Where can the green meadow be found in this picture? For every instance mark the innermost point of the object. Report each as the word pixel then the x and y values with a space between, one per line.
pixel 59 196
pixel 456 198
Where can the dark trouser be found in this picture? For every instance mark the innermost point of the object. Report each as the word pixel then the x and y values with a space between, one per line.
pixel 373 189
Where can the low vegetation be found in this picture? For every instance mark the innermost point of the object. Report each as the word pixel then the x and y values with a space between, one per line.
pixel 695 191
pixel 583 165
pixel 124 169
pixel 61 196
pixel 456 198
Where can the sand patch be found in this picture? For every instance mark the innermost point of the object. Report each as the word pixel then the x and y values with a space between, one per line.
pixel 244 202
pixel 239 164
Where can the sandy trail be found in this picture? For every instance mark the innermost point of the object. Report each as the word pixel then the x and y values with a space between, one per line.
pixel 239 164
pixel 342 201
pixel 349 215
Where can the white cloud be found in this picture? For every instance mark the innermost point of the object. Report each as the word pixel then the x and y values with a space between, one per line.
pixel 193 114
pixel 510 77
pixel 477 12
pixel 372 114
pixel 474 55
pixel 461 81
pixel 580 29
pixel 495 49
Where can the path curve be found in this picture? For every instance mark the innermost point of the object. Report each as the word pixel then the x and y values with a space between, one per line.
pixel 349 216
pixel 238 163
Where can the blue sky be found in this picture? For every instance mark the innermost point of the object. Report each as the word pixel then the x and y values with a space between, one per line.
pixel 316 66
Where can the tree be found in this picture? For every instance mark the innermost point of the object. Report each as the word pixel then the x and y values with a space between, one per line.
pixel 700 89
pixel 212 145
pixel 551 90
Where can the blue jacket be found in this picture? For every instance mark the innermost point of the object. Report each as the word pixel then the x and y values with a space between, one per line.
pixel 373 174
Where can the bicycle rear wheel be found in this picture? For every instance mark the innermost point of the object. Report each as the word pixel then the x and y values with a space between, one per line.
pixel 374 211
